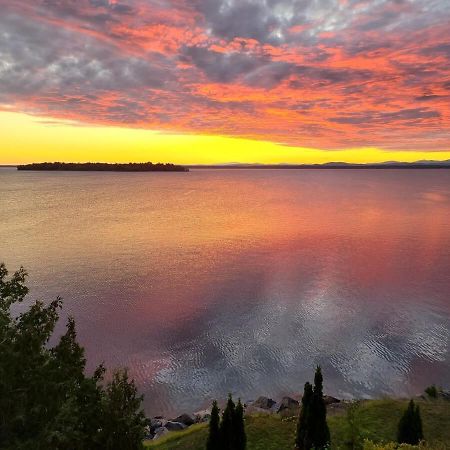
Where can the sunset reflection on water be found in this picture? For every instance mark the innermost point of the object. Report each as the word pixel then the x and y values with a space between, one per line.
pixel 240 281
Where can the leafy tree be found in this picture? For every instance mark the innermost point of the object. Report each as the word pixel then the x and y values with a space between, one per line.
pixel 227 434
pixel 123 421
pixel 214 441
pixel 46 399
pixel 303 439
pixel 320 431
pixel 240 438
pixel 410 426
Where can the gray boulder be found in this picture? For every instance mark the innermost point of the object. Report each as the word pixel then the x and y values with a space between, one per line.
pixel 288 404
pixel 263 403
pixel 185 419
pixel 328 399
pixel 157 422
pixel 159 432
pixel 175 426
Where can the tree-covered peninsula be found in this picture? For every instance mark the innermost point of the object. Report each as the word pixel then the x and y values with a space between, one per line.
pixel 105 167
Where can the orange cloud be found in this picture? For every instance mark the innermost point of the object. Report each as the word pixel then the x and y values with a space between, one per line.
pixel 358 74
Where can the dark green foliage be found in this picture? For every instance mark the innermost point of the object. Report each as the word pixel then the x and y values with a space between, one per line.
pixel 229 434
pixel 354 438
pixel 122 422
pixel 303 439
pixel 320 431
pixel 102 167
pixel 227 425
pixel 410 426
pixel 239 427
pixel 46 400
pixel 312 427
pixel 214 441
pixel 432 391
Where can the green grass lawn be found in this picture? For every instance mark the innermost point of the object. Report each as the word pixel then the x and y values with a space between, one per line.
pixel 377 420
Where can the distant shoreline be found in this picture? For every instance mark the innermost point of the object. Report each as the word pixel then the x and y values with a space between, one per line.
pixel 104 167
pixel 159 167
pixel 418 165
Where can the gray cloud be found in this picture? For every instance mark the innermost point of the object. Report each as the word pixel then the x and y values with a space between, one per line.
pixel 35 61
pixel 222 67
pixel 387 117
pixel 261 71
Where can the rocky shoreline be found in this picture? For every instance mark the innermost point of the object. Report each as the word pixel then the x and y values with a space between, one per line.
pixel 287 407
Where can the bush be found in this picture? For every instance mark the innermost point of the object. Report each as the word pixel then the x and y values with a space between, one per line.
pixel 432 391
pixel 354 435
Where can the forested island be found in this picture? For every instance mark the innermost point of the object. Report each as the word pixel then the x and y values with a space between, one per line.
pixel 105 167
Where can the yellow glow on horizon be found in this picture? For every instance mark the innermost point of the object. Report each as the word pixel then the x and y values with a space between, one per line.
pixel 26 138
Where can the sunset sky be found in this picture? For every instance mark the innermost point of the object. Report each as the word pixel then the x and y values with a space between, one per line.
pixel 217 81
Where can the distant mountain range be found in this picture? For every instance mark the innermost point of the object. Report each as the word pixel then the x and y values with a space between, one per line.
pixel 423 164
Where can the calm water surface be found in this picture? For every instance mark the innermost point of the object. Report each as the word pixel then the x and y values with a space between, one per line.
pixel 219 281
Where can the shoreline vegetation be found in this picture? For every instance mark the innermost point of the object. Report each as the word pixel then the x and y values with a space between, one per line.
pixel 48 401
pixel 353 425
pixel 104 167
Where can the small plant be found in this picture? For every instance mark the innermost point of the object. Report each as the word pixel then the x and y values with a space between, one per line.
pixel 432 391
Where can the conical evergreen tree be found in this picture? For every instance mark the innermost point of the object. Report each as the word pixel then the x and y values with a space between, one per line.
pixel 227 425
pixel 319 427
pixel 214 441
pixel 303 436
pixel 418 424
pixel 240 438
pixel 410 426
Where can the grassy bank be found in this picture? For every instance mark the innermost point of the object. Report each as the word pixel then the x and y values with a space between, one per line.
pixel 377 421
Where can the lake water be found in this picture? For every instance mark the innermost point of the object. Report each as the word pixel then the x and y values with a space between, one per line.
pixel 241 281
